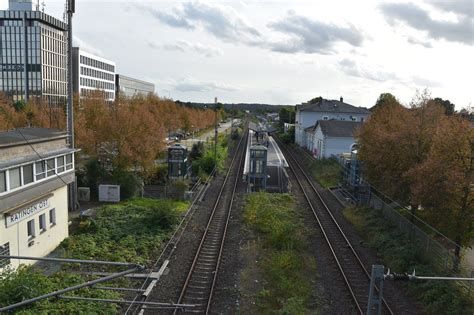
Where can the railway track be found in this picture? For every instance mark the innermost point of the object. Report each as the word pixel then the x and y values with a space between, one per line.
pixel 199 285
pixel 355 275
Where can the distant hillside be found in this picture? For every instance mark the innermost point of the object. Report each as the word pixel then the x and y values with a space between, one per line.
pixel 238 106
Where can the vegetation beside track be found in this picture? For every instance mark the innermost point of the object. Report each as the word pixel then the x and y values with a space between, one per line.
pixel 284 262
pixel 204 159
pixel 327 172
pixel 132 231
pixel 401 255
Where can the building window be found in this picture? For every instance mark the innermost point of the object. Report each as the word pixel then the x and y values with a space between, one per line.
pixel 5 251
pixel 27 174
pixel 52 216
pixel 31 229
pixel 68 161
pixel 362 119
pixel 60 164
pixel 3 183
pixel 40 170
pixel 42 223
pixel 51 167
pixel 14 177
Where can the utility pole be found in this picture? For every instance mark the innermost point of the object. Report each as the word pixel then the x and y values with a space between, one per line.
pixel 215 132
pixel 70 115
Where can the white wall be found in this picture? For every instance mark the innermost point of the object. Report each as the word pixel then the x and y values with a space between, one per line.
pixel 306 119
pixel 44 243
pixel 335 146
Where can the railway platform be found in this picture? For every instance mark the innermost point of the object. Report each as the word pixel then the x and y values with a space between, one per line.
pixel 277 180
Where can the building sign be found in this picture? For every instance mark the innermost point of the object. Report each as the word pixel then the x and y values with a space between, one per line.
pixel 12 67
pixel 24 213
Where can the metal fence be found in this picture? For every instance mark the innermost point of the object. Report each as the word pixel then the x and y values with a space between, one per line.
pixel 437 249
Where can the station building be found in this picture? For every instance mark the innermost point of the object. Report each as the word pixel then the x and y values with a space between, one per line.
pixel 36 166
pixel 308 114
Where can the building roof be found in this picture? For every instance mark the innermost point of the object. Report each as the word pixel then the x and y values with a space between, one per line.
pixel 338 128
pixel 332 106
pixel 29 135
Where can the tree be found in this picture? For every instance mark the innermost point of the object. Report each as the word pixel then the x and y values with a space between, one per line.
pixel 444 185
pixel 384 100
pixel 315 100
pixel 446 104
pixel 397 139
pixel 287 115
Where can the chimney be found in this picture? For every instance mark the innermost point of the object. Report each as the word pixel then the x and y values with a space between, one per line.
pixel 341 99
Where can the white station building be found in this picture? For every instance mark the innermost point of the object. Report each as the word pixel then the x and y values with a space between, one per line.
pixel 36 166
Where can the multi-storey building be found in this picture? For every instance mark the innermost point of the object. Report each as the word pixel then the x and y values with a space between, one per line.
pixel 36 166
pixel 129 87
pixel 92 73
pixel 33 54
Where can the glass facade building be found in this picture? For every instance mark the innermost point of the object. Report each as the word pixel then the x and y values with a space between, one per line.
pixel 92 73
pixel 129 87
pixel 33 56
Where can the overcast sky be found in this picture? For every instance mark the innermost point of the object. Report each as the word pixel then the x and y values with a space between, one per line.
pixel 284 52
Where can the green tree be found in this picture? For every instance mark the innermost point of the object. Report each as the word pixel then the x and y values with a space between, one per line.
pixel 383 100
pixel 287 115
pixel 315 100
pixel 446 104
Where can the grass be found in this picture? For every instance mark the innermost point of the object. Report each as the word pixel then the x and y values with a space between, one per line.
pixel 401 255
pixel 132 231
pixel 285 263
pixel 327 172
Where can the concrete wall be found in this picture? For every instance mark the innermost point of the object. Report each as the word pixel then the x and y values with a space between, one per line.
pixel 44 243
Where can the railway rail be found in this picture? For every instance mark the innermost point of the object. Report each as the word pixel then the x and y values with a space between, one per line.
pixel 355 275
pixel 198 189
pixel 199 286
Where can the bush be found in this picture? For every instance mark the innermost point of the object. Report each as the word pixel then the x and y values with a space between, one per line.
pixel 130 184
pixel 196 151
pixel 159 175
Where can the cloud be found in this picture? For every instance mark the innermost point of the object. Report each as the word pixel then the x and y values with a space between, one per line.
pixel 350 67
pixel 460 7
pixel 221 21
pixel 191 85
pixel 311 36
pixel 185 46
pixel 78 42
pixel 415 41
pixel 423 82
pixel 417 18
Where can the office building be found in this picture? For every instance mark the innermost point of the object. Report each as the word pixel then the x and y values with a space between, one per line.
pixel 33 54
pixel 129 87
pixel 36 165
pixel 92 73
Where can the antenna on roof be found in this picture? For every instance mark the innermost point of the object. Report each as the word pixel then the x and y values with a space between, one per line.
pixel 43 5
pixel 37 5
